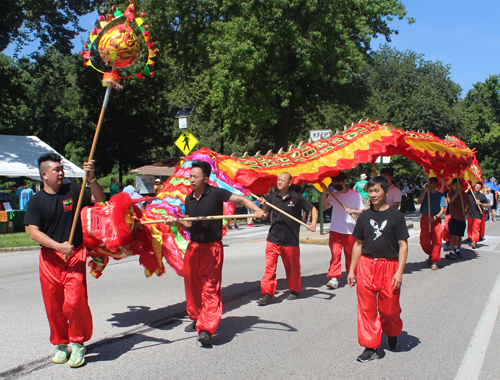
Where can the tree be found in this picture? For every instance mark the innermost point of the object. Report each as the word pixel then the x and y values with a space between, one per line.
pixel 52 22
pixel 11 93
pixel 266 64
pixel 481 114
pixel 409 92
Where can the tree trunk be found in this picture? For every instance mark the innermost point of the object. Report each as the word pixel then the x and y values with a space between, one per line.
pixel 282 129
pixel 120 171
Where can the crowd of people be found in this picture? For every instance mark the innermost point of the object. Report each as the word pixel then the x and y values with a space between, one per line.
pixel 366 225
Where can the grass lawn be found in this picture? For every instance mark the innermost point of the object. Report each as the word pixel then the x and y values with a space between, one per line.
pixel 21 239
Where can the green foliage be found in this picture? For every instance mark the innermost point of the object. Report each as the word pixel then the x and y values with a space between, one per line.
pixel 409 92
pixel 21 239
pixel 261 75
pixel 51 22
pixel 263 65
pixel 481 113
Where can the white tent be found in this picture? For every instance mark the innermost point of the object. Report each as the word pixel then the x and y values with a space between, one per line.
pixel 19 155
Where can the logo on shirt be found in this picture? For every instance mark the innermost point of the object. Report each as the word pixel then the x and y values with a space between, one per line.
pixel 290 204
pixel 377 229
pixel 68 205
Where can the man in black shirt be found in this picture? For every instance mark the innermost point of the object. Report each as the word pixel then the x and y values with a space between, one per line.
pixel 475 218
pixel 378 260
pixel 204 255
pixel 49 216
pixel 283 238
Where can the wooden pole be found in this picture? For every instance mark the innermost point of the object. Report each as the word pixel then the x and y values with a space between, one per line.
pixel 429 202
pixel 283 212
pixel 461 198
pixel 475 199
pixel 91 156
pixel 197 218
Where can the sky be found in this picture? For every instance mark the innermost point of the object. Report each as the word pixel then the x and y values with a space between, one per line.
pixel 464 34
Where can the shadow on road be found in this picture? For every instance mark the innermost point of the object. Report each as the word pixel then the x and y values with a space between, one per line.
pixel 111 349
pixel 233 297
pixel 233 326
pixel 467 254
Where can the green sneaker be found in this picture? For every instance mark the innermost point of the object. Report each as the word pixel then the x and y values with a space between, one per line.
pixel 61 355
pixel 77 355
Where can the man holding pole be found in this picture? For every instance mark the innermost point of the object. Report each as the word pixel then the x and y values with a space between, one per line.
pixel 459 205
pixel 346 205
pixel 204 255
pixel 283 238
pixel 62 264
pixel 476 214
pixel 431 229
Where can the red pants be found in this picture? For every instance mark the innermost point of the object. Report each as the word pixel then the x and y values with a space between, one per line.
pixel 446 231
pixel 374 277
pixel 336 242
pixel 431 241
pixel 482 227
pixel 291 260
pixel 202 278
pixel 473 229
pixel 64 290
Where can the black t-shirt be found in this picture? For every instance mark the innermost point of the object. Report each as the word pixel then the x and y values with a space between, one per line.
pixel 474 212
pixel 285 231
pixel 53 213
pixel 381 231
pixel 211 203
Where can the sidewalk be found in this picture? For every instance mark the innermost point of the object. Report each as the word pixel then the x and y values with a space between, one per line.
pixel 308 237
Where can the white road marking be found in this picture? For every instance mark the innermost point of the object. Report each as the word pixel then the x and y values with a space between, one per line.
pixel 478 345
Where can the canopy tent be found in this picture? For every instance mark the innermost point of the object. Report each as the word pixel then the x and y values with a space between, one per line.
pixel 19 155
pixel 492 186
pixel 164 168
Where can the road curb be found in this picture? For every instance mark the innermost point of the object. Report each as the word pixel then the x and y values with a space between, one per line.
pixel 14 249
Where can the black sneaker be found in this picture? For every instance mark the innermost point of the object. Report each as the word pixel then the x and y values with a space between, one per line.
pixel 367 355
pixel 458 254
pixel 392 342
pixel 191 327
pixel 265 300
pixel 204 338
pixel 293 296
pixel 236 226
pixel 450 256
pixel 229 227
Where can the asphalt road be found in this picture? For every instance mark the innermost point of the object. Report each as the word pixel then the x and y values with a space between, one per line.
pixel 450 328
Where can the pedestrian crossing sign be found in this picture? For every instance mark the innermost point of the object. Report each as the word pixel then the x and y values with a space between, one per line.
pixel 186 142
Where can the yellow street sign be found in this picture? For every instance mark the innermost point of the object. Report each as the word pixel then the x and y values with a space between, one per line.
pixel 186 142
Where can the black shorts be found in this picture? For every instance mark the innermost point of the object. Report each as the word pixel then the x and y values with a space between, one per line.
pixel 456 227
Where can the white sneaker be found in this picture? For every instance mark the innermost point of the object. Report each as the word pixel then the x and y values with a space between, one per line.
pixel 333 283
